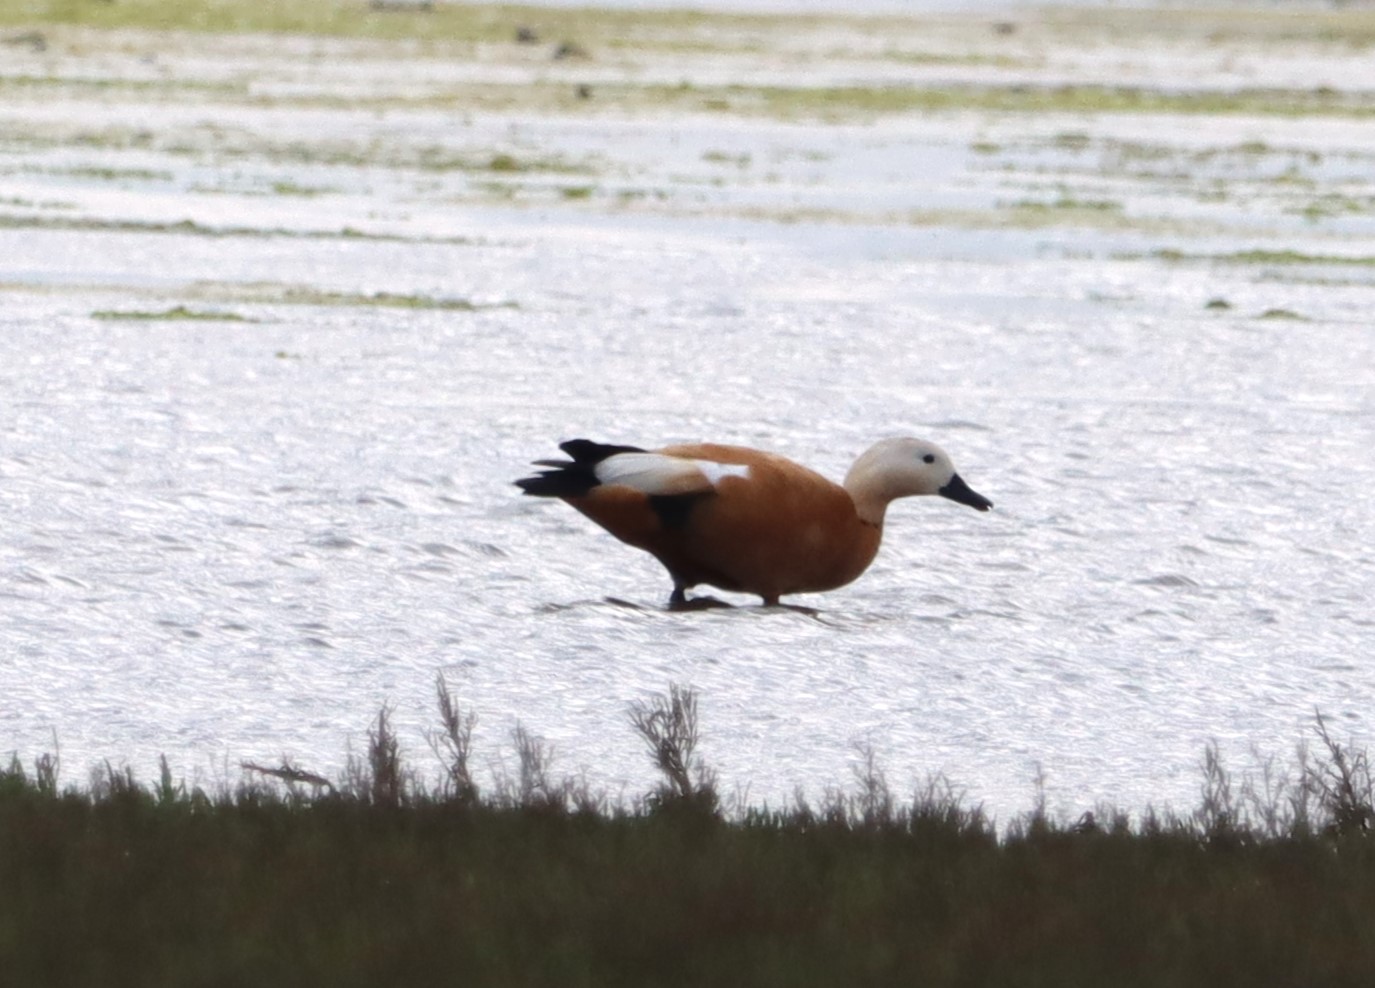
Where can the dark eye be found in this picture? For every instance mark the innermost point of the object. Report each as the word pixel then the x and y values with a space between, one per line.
pixel 929 458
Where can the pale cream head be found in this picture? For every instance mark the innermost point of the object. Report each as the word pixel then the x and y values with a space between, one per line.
pixel 905 467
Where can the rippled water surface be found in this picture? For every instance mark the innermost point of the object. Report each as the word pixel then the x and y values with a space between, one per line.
pixel 234 539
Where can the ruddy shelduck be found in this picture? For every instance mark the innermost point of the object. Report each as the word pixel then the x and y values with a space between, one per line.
pixel 745 520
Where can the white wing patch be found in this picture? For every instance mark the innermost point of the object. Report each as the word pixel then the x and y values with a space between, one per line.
pixel 654 473
pixel 716 472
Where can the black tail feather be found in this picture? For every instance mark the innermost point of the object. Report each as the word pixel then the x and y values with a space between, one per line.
pixel 585 451
pixel 572 480
pixel 575 477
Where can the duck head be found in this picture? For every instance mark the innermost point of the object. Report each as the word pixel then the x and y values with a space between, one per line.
pixel 906 467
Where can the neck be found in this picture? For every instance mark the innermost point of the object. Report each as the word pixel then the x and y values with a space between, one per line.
pixel 871 500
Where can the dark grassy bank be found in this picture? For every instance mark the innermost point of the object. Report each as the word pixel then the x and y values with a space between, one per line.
pixel 381 878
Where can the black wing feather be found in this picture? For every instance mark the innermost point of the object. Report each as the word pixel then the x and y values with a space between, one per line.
pixel 575 477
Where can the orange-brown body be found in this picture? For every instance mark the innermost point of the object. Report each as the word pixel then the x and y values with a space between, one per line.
pixel 784 529
pixel 742 519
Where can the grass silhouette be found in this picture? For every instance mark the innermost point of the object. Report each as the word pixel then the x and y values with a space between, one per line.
pixel 384 877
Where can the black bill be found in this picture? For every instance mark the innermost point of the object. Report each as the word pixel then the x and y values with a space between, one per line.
pixel 958 490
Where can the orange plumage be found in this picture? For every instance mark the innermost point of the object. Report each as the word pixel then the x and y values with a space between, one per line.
pixel 745 520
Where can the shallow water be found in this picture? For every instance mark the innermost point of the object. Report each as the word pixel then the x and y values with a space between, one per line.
pixel 236 540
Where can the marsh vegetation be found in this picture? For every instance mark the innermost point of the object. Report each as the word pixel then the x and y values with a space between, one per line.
pixel 383 876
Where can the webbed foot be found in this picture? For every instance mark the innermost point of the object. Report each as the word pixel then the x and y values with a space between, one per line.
pixel 680 601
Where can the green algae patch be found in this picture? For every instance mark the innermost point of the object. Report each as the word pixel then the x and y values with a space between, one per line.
pixel 277 293
pixel 208 301
pixel 178 313
pixel 1217 25
pixel 1282 315
pixel 1070 204
pixel 870 100
pixel 1264 256
pixel 288 187
pixel 114 174
pixel 1295 257
pixel 839 103
pixel 430 22
pixel 301 295
pixel 194 228
pixel 545 78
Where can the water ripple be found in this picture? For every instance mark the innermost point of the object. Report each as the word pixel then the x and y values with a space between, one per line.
pixel 220 553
